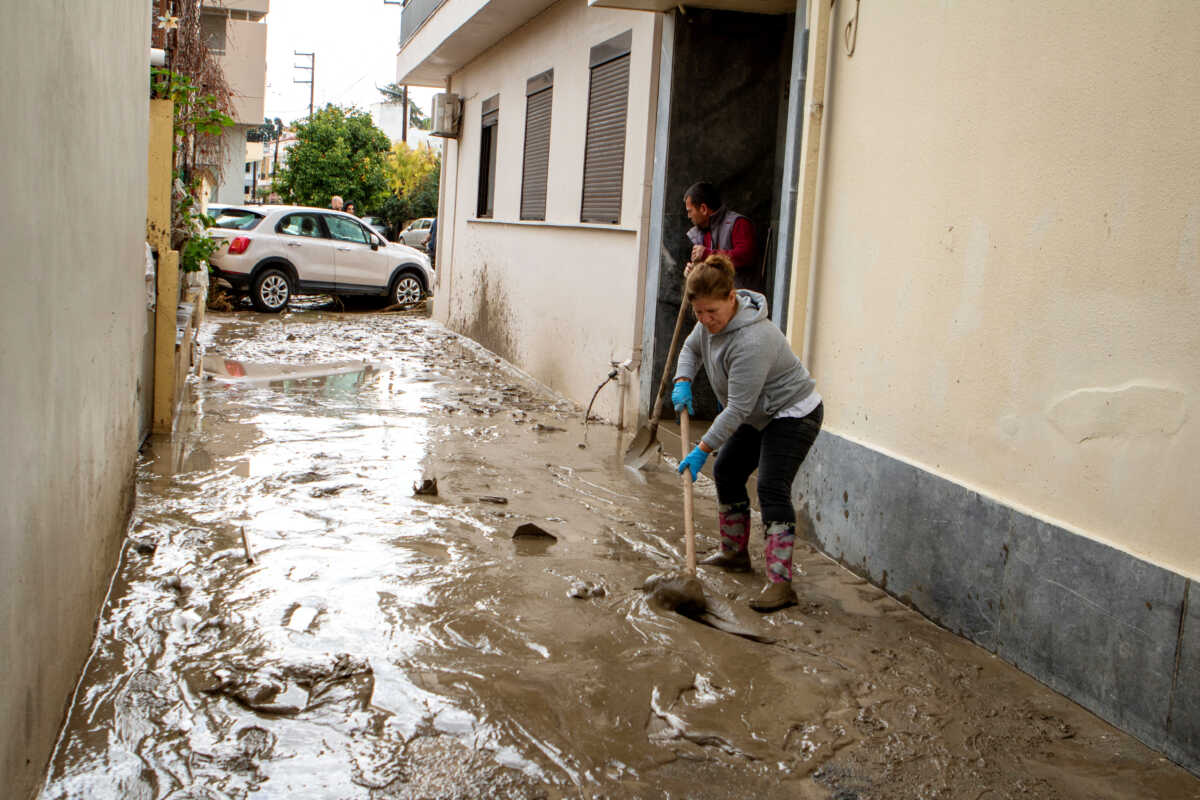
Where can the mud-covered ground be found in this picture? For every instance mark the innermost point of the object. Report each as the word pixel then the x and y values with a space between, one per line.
pixel 386 644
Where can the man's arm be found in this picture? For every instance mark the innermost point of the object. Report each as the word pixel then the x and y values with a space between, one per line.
pixel 744 251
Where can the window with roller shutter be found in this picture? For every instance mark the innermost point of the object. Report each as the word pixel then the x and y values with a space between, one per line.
pixel 487 156
pixel 539 91
pixel 604 152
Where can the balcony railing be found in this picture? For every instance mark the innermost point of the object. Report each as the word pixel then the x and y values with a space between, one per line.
pixel 413 16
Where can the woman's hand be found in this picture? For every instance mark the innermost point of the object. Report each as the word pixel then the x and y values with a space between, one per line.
pixel 694 462
pixel 681 396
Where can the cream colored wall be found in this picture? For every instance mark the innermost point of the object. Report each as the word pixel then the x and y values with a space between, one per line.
pixel 557 298
pixel 76 120
pixel 1008 271
pixel 245 68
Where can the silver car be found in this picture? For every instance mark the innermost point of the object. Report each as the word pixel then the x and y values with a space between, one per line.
pixel 274 252
pixel 417 232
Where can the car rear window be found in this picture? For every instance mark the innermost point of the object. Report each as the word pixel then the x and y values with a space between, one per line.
pixel 238 219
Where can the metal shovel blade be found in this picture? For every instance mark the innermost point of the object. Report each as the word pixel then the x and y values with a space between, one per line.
pixel 644 448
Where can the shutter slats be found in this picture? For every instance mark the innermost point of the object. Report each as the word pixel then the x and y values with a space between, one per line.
pixel 536 167
pixel 604 155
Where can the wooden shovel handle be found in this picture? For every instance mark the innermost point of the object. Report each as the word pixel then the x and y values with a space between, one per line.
pixel 689 530
pixel 671 353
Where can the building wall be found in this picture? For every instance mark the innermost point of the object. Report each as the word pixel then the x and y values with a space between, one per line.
pixel 1008 281
pixel 70 346
pixel 245 68
pixel 1006 331
pixel 231 187
pixel 558 298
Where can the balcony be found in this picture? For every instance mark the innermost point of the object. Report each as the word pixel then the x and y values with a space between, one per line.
pixel 413 16
pixel 243 9
pixel 748 6
pixel 440 37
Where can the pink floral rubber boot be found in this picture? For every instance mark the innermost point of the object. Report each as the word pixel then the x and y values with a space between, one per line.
pixel 781 540
pixel 734 522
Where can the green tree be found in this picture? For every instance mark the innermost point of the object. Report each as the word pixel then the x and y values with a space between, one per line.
pixel 416 117
pixel 413 174
pixel 339 151
pixel 270 131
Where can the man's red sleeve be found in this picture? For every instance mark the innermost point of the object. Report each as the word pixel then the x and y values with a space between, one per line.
pixel 744 252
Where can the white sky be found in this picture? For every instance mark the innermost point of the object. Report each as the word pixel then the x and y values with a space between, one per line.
pixel 355 42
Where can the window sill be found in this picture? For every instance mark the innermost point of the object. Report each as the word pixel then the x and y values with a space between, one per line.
pixel 527 223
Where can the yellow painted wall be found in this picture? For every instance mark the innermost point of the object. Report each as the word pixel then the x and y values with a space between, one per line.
pixel 1007 287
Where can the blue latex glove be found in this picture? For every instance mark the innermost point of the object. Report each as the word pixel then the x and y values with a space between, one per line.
pixel 681 396
pixel 694 461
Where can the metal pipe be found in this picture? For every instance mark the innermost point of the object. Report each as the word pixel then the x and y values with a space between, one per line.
pixel 791 166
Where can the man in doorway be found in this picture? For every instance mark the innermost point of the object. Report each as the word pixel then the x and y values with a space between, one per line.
pixel 719 230
pixel 335 202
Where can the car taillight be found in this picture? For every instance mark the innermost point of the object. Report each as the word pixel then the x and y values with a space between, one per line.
pixel 239 245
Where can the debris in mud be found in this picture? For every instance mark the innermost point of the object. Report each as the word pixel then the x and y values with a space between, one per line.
pixel 290 689
pixel 540 428
pixel 246 546
pixel 583 590
pixel 143 547
pixel 531 531
pixel 301 618
pixel 491 498
pixel 175 583
pixel 329 491
pixel 427 487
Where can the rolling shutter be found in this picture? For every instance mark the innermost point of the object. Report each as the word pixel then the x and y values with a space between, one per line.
pixel 539 93
pixel 604 153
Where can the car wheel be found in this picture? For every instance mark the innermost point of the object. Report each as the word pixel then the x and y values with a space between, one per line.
pixel 272 290
pixel 407 290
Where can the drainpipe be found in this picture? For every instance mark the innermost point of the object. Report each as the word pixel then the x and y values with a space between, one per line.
pixel 791 166
pixel 800 306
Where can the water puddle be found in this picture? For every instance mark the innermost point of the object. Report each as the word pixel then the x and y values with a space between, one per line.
pixel 324 596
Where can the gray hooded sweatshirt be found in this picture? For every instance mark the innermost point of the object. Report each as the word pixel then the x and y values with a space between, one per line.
pixel 751 368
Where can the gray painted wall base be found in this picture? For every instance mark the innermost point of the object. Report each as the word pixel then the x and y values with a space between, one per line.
pixel 1113 633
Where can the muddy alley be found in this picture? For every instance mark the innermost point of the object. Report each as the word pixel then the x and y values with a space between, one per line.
pixel 299 612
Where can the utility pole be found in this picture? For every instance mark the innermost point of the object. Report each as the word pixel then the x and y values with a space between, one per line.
pixel 404 130
pixel 312 77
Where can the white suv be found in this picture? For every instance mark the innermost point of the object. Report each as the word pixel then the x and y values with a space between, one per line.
pixel 273 252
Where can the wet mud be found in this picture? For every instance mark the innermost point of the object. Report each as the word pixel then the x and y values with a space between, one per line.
pixel 395 636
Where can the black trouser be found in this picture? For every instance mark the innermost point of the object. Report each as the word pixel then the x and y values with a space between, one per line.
pixel 776 452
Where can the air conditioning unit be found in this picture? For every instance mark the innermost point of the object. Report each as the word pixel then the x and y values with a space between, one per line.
pixel 446 115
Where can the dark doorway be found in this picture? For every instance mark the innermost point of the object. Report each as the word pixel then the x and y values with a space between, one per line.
pixel 728 119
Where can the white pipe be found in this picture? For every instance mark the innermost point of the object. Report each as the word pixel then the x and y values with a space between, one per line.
pixel 800 309
pixel 158 57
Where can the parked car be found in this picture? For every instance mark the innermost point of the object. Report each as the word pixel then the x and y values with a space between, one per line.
pixel 378 224
pixel 274 252
pixel 417 232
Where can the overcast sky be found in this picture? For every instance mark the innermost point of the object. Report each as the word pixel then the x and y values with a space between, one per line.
pixel 355 42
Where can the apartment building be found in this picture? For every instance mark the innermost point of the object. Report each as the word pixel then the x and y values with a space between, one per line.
pixel 980 226
pixel 236 33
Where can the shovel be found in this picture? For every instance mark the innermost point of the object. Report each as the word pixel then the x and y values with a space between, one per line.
pixel 645 444
pixel 682 591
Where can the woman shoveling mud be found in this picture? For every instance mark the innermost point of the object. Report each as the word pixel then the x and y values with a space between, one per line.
pixel 770 417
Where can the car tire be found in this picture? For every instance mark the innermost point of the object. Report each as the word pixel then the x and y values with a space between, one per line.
pixel 407 290
pixel 271 291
